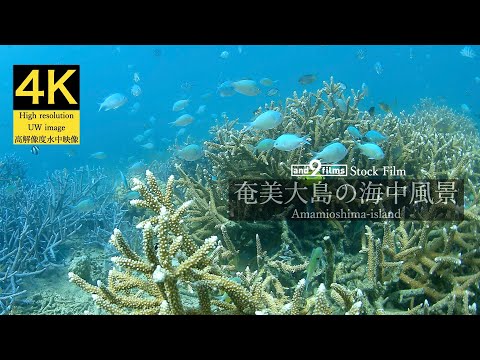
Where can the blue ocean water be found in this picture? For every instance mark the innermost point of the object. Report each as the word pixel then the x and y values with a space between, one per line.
pixel 169 73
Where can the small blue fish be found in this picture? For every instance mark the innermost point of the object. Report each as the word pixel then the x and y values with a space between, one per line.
pixel 124 180
pixel 264 145
pixel 137 167
pixel 113 101
pixel 132 195
pixel 371 150
pixel 289 142
pixel 316 258
pixel 354 132
pixel 226 89
pixel 85 205
pixel 374 136
pixel 331 153
pixel 342 105
pixel 268 120
pixel 190 152
pixel 35 150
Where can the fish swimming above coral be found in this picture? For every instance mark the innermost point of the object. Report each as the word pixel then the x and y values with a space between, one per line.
pixel 100 155
pixel 183 120
pixel 307 79
pixel 180 104
pixel 316 258
pixel 85 205
pixel 370 150
pixel 331 153
pixel 264 145
pixel 354 132
pixel 226 89
pixel 190 152
pixel 374 136
pixel 290 142
pixel 246 87
pixel 268 120
pixel 267 82
pixel 113 102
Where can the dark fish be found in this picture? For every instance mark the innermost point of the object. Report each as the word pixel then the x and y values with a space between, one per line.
pixel 307 79
pixel 35 150
pixel 272 92
pixel 385 107
pixel 371 111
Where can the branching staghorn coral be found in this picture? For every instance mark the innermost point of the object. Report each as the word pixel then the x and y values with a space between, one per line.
pixel 418 261
pixel 173 264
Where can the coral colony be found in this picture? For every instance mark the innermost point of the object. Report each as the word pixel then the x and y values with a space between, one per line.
pixel 195 259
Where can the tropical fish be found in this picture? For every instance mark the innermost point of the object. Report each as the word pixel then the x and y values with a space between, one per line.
pixel 136 90
pixel 371 111
pixel 343 86
pixel 134 109
pixel 267 82
pixel 246 87
pixel 201 109
pixel 240 49
pixel 100 155
pixel 85 205
pixel 138 138
pixel 316 258
pixel 342 105
pixel 113 101
pixel 206 96
pixel 35 150
pixel 183 120
pixel 132 195
pixel 268 120
pixel 331 153
pixel 273 92
pixel 371 150
pixel 180 104
pixel 148 146
pixel 226 89
pixel 180 132
pixel 137 166
pixel 374 136
pixel 124 179
pixel 289 142
pixel 264 145
pixel 224 54
pixel 136 77
pixel 147 133
pixel 354 132
pixel 477 80
pixel 190 152
pixel 385 107
pixel 307 79
pixel 378 68
pixel 10 189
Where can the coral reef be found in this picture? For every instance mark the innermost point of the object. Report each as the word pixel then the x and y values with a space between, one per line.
pixel 191 249
pixel 40 223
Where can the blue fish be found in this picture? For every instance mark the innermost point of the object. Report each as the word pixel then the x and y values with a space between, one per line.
pixel 124 180
pixel 132 195
pixel 374 136
pixel 354 132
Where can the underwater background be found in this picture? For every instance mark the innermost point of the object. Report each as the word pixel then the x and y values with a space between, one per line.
pixel 59 205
